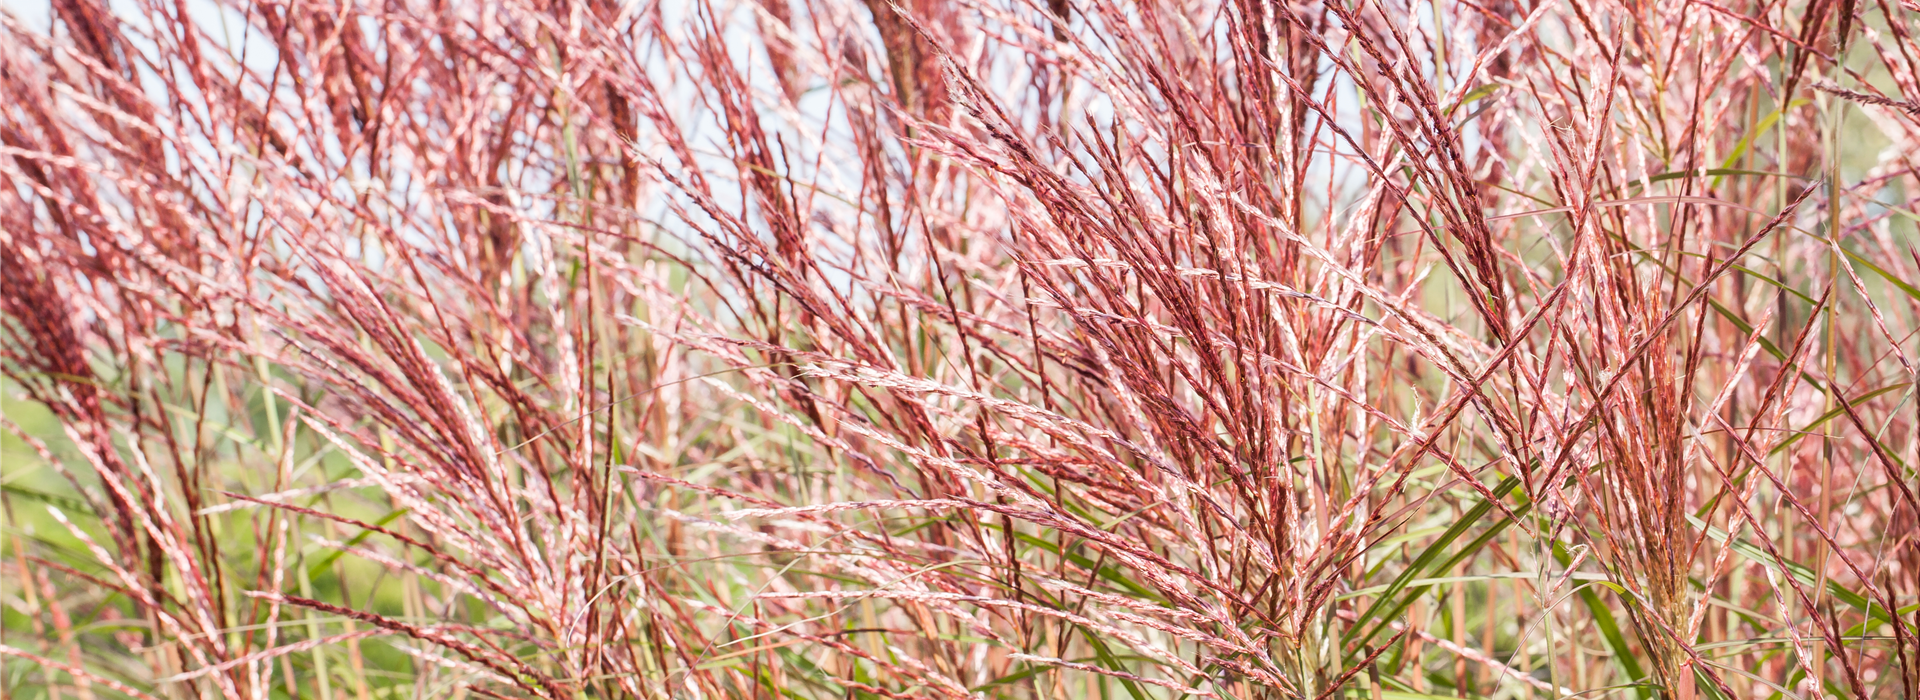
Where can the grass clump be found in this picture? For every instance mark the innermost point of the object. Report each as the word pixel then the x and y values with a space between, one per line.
pixel 960 348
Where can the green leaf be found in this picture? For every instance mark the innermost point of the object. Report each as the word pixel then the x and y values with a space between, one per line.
pixel 1888 276
pixel 1746 142
pixel 1830 415
pixel 64 503
pixel 1109 573
pixel 1391 602
pixel 1107 659
pixel 1603 620
pixel 1799 573
pixel 1715 172
pixel 320 565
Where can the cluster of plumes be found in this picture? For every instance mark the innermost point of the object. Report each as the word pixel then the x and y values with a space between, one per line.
pixel 942 347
